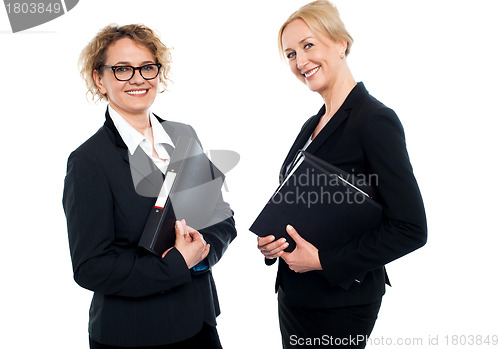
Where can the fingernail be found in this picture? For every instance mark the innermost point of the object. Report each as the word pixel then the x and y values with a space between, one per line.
pixel 289 227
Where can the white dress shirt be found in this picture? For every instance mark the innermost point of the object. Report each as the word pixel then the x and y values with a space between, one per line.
pixel 134 139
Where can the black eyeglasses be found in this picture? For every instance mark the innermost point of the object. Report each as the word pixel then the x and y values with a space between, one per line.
pixel 126 72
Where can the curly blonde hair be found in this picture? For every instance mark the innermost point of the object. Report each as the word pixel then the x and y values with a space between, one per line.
pixel 93 56
pixel 320 16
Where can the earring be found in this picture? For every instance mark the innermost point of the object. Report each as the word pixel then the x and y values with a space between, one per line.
pixel 342 55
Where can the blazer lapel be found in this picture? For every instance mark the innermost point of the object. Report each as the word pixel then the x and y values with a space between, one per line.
pixel 147 178
pixel 327 131
pixel 115 135
pixel 171 131
pixel 358 92
pixel 338 118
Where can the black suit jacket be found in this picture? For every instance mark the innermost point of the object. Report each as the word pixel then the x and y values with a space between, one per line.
pixel 364 138
pixel 139 299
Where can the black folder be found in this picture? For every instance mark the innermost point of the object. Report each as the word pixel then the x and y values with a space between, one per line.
pixel 326 205
pixel 191 191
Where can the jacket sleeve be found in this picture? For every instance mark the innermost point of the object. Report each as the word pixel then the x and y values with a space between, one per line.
pixel 219 236
pixel 102 263
pixel 404 227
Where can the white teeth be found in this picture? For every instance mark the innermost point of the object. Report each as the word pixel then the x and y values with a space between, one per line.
pixel 312 72
pixel 141 92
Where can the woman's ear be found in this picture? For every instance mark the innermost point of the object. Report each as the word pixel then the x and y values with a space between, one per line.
pixel 98 81
pixel 343 48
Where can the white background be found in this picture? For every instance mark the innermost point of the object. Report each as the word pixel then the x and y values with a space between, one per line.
pixel 436 63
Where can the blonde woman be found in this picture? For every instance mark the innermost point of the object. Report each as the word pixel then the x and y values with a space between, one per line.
pixel 330 296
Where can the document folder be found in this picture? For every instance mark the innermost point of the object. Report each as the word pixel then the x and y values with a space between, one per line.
pixel 326 205
pixel 190 191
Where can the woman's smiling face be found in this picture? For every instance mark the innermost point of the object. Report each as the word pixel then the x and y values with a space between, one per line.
pixel 130 98
pixel 313 58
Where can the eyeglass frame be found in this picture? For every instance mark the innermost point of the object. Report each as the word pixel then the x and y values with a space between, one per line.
pixel 114 67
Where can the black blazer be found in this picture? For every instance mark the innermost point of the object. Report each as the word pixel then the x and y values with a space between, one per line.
pixel 364 138
pixel 139 299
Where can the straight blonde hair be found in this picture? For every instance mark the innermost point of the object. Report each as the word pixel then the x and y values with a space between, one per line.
pixel 321 17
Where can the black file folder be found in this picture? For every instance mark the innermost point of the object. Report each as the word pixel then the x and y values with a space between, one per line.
pixel 191 191
pixel 326 205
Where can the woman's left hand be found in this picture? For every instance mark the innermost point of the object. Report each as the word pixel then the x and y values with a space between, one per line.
pixel 304 257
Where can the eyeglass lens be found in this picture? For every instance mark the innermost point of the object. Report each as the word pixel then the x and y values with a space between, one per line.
pixel 148 72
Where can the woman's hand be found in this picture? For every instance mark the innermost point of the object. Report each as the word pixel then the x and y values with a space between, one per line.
pixel 270 248
pixel 304 257
pixel 190 244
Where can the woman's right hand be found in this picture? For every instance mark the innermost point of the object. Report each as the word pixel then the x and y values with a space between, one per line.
pixel 190 244
pixel 270 248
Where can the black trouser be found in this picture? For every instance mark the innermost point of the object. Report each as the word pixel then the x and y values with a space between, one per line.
pixel 341 327
pixel 207 338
